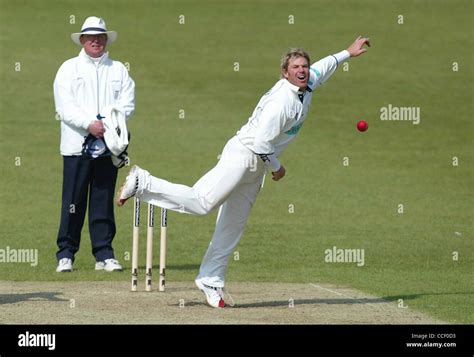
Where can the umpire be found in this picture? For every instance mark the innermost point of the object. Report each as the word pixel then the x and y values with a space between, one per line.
pixel 85 85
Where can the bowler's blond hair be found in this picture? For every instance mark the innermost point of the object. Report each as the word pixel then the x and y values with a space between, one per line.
pixel 292 53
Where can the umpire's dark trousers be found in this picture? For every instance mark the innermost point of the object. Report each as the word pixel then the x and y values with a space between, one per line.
pixel 94 181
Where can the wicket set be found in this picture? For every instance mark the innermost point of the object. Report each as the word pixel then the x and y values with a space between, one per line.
pixel 149 246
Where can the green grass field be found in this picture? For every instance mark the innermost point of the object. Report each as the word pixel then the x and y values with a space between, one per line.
pixel 321 203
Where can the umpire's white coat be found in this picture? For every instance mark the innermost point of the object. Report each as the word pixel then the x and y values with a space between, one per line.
pixel 233 184
pixel 82 88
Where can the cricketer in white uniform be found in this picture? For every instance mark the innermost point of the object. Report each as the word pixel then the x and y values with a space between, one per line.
pixel 233 184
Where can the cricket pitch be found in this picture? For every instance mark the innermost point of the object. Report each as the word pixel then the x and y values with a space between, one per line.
pixel 182 303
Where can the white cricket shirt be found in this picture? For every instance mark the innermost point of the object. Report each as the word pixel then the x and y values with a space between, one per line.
pixel 82 88
pixel 280 113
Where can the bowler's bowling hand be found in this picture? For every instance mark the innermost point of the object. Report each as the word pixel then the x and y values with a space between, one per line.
pixel 357 48
pixel 96 128
pixel 276 175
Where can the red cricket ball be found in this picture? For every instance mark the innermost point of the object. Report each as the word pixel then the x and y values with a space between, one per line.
pixel 362 125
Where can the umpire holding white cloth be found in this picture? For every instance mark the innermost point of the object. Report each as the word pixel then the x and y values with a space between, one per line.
pixel 233 184
pixel 84 87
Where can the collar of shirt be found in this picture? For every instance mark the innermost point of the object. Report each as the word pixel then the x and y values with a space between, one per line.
pixel 301 92
pixel 96 60
pixel 297 89
pixel 292 87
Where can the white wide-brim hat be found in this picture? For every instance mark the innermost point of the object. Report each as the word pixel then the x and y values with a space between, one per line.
pixel 94 26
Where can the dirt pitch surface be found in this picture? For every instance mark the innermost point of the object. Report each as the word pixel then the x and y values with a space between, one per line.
pixel 182 303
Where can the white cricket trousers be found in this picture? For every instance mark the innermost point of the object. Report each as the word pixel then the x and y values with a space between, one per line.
pixel 232 185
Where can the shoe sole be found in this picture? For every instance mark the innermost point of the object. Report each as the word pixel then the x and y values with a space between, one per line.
pixel 121 201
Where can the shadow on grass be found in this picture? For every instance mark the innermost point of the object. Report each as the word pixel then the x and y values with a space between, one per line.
pixel 335 301
pixel 416 296
pixel 296 302
pixel 42 296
